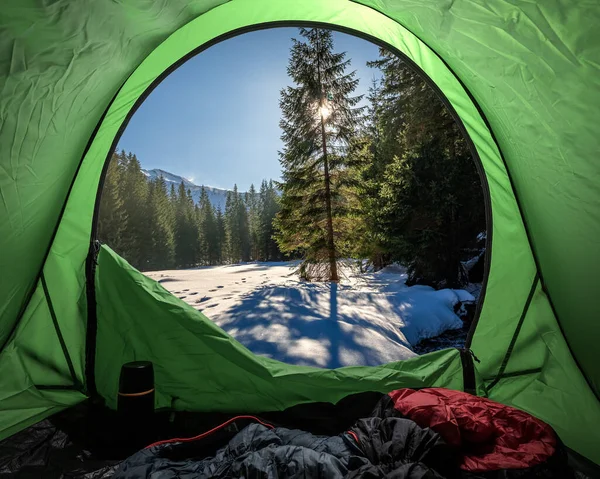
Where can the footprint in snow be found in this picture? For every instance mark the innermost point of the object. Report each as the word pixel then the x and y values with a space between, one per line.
pixel 211 305
pixel 202 299
pixel 219 287
pixel 194 293
pixel 182 297
pixel 228 297
pixel 184 290
pixel 211 290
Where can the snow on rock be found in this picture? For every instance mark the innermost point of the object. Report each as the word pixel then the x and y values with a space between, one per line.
pixel 462 295
pixel 420 312
pixel 367 319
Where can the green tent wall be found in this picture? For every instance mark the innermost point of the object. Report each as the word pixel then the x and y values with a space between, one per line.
pixel 523 77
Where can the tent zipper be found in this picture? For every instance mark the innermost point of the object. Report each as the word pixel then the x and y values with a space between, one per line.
pixel 92 322
pixel 467 356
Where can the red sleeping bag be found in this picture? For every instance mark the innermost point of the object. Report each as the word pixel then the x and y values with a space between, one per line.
pixel 490 435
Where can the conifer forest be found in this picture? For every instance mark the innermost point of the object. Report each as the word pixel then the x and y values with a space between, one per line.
pixel 388 177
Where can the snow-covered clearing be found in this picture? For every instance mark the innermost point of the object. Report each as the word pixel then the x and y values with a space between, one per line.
pixel 366 319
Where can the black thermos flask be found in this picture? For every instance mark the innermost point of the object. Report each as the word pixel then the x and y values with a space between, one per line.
pixel 135 404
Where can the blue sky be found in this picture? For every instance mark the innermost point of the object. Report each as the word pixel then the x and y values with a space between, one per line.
pixel 215 120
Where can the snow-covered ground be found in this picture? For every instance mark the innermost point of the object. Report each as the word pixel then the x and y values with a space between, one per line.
pixel 366 319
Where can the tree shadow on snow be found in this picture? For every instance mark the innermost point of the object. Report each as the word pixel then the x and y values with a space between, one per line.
pixel 304 325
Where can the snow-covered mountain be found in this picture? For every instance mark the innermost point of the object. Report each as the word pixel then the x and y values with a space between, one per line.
pixel 216 196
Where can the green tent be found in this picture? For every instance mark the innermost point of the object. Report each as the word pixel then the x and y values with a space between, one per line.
pixel 524 78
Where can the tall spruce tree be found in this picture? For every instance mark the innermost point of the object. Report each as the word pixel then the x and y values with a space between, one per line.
pixel 319 118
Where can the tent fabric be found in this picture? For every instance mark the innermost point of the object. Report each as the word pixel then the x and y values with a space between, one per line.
pixel 207 363
pixel 522 77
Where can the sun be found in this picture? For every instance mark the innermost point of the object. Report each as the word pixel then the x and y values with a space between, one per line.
pixel 324 111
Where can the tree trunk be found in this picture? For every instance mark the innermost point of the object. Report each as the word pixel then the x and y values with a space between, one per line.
pixel 333 273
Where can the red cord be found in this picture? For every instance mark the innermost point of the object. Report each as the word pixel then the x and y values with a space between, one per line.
pixel 354 436
pixel 208 433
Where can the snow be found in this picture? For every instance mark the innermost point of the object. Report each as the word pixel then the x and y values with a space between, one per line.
pixel 367 319
pixel 474 289
pixel 462 295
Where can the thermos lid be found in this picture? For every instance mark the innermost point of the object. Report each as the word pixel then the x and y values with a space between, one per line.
pixel 136 377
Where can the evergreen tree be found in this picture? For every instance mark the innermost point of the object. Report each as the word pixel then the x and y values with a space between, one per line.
pixel 236 221
pixel 231 246
pixel 112 218
pixel 269 207
pixel 253 207
pixel 366 150
pixel 161 226
pixel 201 245
pixel 208 230
pixel 134 191
pixel 221 237
pixel 319 118
pixel 424 199
pixel 243 226
pixel 186 229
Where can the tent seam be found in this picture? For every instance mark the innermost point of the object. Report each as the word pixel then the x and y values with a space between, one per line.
pixel 523 372
pixel 61 339
pixel 515 336
pixel 92 317
pixel 53 387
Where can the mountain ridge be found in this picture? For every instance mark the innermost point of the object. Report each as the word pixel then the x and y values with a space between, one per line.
pixel 217 196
